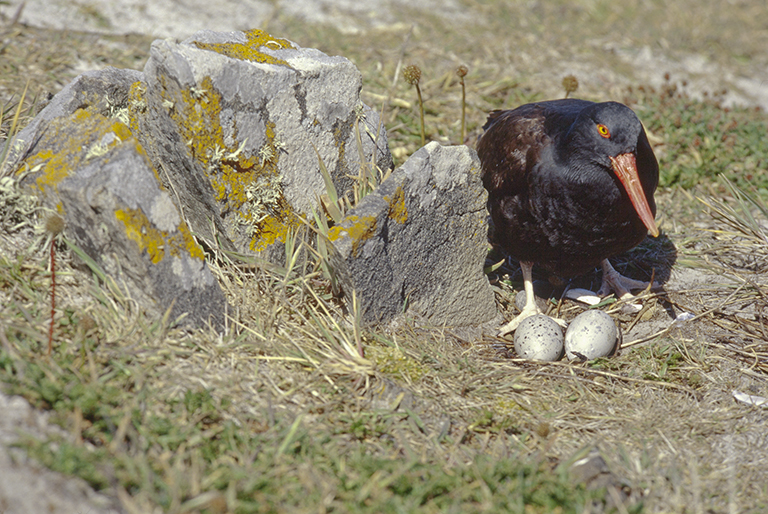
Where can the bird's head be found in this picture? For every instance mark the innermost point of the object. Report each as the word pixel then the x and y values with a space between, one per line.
pixel 605 130
pixel 608 134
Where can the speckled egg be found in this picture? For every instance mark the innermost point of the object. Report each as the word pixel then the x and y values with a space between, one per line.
pixel 539 338
pixel 590 335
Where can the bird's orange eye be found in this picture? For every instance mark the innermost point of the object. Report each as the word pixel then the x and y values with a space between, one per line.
pixel 603 130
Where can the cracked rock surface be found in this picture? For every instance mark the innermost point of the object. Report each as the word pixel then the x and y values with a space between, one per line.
pixel 416 244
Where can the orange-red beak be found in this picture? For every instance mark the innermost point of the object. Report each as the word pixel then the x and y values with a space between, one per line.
pixel 625 167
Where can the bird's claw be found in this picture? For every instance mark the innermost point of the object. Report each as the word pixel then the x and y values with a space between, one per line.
pixel 526 313
pixel 613 281
pixel 510 327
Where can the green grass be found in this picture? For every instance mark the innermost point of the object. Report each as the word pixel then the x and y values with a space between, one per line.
pixel 170 450
pixel 318 472
pixel 703 139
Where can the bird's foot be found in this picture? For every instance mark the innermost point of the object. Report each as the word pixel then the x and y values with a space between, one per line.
pixel 529 310
pixel 613 281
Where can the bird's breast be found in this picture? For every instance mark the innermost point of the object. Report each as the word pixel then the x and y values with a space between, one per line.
pixel 568 226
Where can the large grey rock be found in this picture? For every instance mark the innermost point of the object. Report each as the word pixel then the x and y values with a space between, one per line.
pixel 417 244
pixel 239 119
pixel 93 172
pixel 232 125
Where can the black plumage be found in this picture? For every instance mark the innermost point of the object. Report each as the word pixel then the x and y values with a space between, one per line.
pixel 570 183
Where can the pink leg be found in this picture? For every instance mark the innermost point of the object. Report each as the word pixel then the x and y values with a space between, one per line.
pixel 530 308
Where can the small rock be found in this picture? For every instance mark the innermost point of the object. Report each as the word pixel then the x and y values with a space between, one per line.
pixel 26 486
pixel 588 468
pixel 239 120
pixel 100 91
pixel 93 172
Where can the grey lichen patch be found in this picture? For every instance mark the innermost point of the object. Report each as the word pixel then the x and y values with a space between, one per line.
pixel 164 214
pixel 263 198
pixel 103 145
pixel 115 110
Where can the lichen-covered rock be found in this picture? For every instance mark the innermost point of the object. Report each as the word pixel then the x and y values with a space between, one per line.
pixel 233 126
pixel 417 244
pixel 239 119
pixel 105 91
pixel 94 173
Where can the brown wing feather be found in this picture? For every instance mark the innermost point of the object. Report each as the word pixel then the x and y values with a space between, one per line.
pixel 510 147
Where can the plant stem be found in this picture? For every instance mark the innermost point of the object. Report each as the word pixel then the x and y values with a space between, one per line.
pixel 463 111
pixel 53 292
pixel 421 115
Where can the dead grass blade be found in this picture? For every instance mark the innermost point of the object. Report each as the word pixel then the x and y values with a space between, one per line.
pixel 740 214
pixel 12 132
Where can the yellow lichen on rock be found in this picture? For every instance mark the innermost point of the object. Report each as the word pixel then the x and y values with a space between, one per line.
pixel 185 240
pixel 361 228
pixel 54 168
pixel 248 186
pixel 275 228
pixel 62 151
pixel 139 229
pixel 197 116
pixel 157 242
pixel 397 209
pixel 250 50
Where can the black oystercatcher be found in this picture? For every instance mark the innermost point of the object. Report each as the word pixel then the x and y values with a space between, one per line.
pixel 570 183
